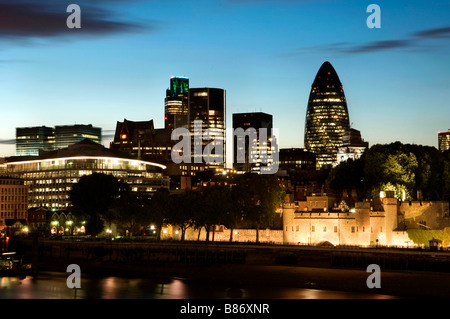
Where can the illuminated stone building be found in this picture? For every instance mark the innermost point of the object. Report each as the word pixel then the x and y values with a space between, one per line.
pixel 13 201
pixel 352 147
pixel 326 117
pixel 444 140
pixel 322 218
pixel 51 175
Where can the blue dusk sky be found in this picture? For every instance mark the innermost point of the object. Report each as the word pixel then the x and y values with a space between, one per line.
pixel 264 53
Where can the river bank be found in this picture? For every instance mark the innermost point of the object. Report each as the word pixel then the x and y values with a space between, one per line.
pixel 404 273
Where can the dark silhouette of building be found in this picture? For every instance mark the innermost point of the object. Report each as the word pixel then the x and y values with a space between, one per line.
pixel 257 121
pixel 326 117
pixel 141 140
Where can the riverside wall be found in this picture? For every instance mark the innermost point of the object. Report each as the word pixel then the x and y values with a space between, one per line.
pixel 53 254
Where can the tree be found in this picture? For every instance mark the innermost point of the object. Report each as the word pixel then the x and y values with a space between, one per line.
pixel 260 196
pixel 92 196
pixel 160 209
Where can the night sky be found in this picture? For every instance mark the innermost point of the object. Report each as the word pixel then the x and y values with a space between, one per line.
pixel 265 54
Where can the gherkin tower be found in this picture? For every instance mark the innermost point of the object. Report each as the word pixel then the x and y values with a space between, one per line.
pixel 326 117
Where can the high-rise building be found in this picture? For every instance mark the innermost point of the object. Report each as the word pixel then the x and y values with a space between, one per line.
pixel 444 140
pixel 326 117
pixel 176 108
pixel 207 111
pixel 257 121
pixel 66 135
pixel 29 140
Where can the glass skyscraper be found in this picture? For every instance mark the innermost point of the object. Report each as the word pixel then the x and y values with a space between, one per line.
pixel 176 106
pixel 326 117
pixel 207 105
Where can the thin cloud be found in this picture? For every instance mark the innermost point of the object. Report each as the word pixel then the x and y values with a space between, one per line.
pixel 22 20
pixel 438 33
pixel 415 42
pixel 378 46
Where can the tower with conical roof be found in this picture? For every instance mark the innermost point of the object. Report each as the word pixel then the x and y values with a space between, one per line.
pixel 326 117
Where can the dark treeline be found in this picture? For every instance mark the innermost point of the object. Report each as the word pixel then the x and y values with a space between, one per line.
pixel 397 167
pixel 249 200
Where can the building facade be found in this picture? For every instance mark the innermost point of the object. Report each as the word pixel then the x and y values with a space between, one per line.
pixel 66 135
pixel 444 140
pixel 252 157
pixel 326 117
pixel 352 147
pixel 176 103
pixel 50 177
pixel 13 201
pixel 29 140
pixel 321 219
pixel 140 140
pixel 297 159
pixel 207 113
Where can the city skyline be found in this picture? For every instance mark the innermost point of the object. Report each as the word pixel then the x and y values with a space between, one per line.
pixel 265 54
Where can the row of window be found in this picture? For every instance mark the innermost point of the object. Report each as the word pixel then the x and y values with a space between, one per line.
pixel 335 229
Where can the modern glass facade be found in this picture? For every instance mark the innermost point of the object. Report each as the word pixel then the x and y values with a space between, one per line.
pixel 29 140
pixel 207 105
pixel 255 120
pixel 176 107
pixel 50 180
pixel 70 134
pixel 326 117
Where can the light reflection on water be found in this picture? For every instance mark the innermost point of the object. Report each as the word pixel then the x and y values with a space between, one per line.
pixel 53 286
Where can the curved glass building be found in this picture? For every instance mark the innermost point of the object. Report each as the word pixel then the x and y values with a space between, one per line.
pixel 326 117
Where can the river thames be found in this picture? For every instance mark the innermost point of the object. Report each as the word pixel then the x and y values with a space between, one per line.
pixel 52 285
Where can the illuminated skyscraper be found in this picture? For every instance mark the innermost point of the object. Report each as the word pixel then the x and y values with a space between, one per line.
pixel 208 106
pixel 326 117
pixel 176 103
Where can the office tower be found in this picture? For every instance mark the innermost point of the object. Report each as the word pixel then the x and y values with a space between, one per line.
pixel 207 111
pixel 326 117
pixel 29 140
pixel 296 159
pixel 257 121
pixel 352 147
pixel 444 140
pixel 66 135
pixel 176 103
pixel 140 139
